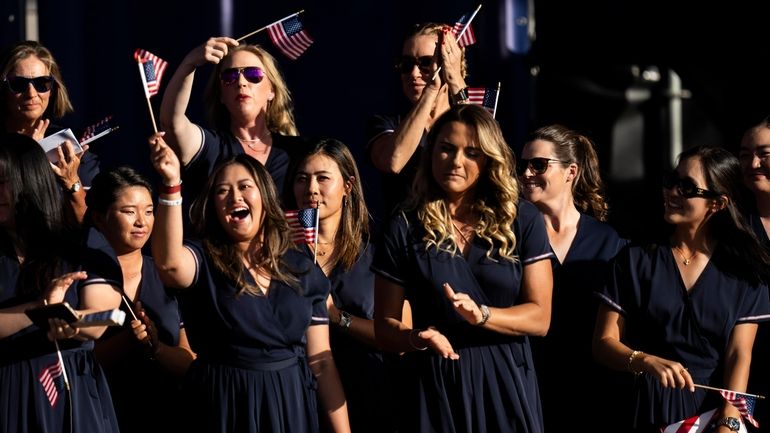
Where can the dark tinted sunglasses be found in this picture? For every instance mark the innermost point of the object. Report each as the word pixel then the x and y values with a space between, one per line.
pixel 537 165
pixel 252 74
pixel 406 64
pixel 686 187
pixel 21 84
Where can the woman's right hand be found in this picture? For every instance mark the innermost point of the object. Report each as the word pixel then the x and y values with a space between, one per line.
pixel 164 160
pixel 671 374
pixel 213 51
pixel 434 339
pixel 145 331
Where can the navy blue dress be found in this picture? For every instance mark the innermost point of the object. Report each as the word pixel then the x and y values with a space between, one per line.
pixel 146 396
pixel 493 386
pixel 663 319
pixel 367 375
pixel 399 185
pixel 251 374
pixel 573 315
pixel 28 363
pixel 759 379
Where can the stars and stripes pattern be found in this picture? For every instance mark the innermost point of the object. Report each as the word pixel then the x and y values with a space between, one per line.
pixel 694 424
pixel 303 224
pixel 98 129
pixel 468 38
pixel 52 381
pixel 153 68
pixel 289 36
pixel 483 96
pixel 744 403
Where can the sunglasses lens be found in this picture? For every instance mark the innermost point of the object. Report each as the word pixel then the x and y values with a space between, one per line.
pixel 539 165
pixel 405 65
pixel 229 76
pixel 425 63
pixel 253 74
pixel 21 84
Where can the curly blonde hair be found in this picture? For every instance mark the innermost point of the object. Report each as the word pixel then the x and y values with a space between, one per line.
pixel 279 116
pixel 497 191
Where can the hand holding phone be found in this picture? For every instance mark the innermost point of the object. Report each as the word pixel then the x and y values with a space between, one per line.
pixel 61 310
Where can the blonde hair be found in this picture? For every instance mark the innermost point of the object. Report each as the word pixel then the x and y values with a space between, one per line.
pixel 279 116
pixel 497 192
pixel 60 103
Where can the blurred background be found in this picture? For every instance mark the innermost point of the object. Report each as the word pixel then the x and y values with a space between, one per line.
pixel 644 79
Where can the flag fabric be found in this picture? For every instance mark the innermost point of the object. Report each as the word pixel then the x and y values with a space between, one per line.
pixel 303 224
pixel 483 96
pixel 153 67
pixel 289 36
pixel 52 381
pixel 468 38
pixel 697 424
pixel 744 403
pixel 98 129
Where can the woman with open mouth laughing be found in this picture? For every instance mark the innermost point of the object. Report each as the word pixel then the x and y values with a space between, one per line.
pixel 254 306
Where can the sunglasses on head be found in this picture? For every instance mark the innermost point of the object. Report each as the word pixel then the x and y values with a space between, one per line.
pixel 406 64
pixel 686 187
pixel 21 84
pixel 252 74
pixel 537 165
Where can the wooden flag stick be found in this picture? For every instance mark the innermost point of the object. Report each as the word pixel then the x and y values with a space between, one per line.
pixel 263 28
pixel 147 95
pixel 759 397
pixel 462 32
pixel 497 97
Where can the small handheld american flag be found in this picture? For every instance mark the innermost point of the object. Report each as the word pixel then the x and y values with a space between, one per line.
pixel 98 130
pixel 289 36
pixel 151 67
pixel 52 382
pixel 484 96
pixel 743 402
pixel 303 224
pixel 468 37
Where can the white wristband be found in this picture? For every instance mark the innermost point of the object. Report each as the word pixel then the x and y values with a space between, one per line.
pixel 165 202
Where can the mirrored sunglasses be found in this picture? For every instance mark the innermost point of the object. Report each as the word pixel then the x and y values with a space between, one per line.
pixel 406 64
pixel 537 165
pixel 686 187
pixel 252 74
pixel 21 84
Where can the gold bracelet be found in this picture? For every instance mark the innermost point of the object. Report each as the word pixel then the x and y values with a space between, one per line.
pixel 634 354
pixel 411 343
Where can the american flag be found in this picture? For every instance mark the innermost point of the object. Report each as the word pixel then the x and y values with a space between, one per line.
pixel 744 403
pixel 483 96
pixel 289 36
pixel 98 129
pixel 153 68
pixel 52 381
pixel 468 38
pixel 303 224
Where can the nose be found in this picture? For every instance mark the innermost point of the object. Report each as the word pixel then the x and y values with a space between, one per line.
pixel 756 162
pixel 31 91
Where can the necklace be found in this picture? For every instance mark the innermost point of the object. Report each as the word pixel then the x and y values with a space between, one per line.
pixel 685 260
pixel 251 142
pixel 461 232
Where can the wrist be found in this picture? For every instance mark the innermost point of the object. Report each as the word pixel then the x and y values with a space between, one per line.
pixel 460 97
pixel 633 359
pixel 72 185
pixel 345 320
pixel 170 187
pixel 485 314
pixel 414 339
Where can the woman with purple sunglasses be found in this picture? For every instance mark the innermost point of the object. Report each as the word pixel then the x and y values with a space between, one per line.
pixel 249 110
pixel 33 93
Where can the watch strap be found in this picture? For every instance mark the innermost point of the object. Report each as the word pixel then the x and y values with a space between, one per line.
pixel 460 97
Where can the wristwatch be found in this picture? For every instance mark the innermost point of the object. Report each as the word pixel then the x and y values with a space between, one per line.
pixel 345 319
pixel 460 97
pixel 732 423
pixel 75 187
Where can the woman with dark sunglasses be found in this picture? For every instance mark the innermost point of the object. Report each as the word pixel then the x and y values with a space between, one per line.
pixel 559 173
pixel 685 313
pixel 33 94
pixel 249 110
pixel 472 262
pixel 396 141
pixel 754 155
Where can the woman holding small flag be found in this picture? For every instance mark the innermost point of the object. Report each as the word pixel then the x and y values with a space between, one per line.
pixel 33 94
pixel 249 109
pixel 683 314
pixel 397 141
pixel 473 263
pixel 49 379
pixel 254 306
pixel 327 179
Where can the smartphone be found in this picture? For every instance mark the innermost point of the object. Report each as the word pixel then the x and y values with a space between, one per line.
pixel 62 310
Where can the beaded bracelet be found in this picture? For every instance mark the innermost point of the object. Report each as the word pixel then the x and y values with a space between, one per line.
pixel 634 354
pixel 411 343
pixel 170 189
pixel 165 202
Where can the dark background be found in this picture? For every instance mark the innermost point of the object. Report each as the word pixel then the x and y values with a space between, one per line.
pixel 585 58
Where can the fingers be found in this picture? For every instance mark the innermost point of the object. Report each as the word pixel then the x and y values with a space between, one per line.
pixel 58 286
pixel 439 343
pixel 60 330
pixel 217 48
pixel 40 128
pixel 449 292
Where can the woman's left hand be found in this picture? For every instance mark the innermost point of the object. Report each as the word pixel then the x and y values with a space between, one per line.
pixel 57 288
pixel 464 305
pixel 451 59
pixel 66 168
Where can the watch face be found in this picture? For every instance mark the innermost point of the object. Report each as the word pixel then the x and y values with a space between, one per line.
pixel 75 187
pixel 733 424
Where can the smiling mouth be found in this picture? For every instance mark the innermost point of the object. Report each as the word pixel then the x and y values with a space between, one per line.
pixel 239 214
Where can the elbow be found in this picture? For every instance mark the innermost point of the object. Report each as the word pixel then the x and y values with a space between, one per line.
pixel 544 324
